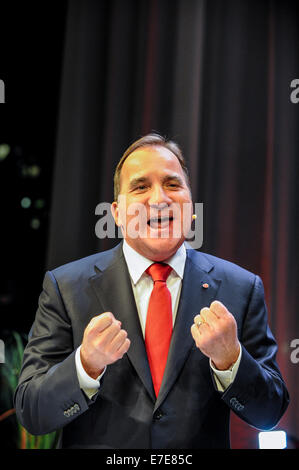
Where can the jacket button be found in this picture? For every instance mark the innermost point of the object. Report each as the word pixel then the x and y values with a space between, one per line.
pixel 158 415
pixel 236 404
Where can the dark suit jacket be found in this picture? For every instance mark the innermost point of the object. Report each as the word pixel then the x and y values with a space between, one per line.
pixel 189 411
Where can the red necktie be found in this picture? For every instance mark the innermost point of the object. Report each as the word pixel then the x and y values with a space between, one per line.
pixel 158 328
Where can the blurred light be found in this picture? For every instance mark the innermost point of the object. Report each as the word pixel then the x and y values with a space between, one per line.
pixel 272 440
pixel 35 224
pixel 4 151
pixel 26 202
pixel 39 203
pixel 33 171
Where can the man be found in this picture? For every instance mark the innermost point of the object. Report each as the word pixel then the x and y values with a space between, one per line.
pixel 150 344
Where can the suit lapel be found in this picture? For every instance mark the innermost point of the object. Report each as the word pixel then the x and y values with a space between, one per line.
pixel 193 298
pixel 113 289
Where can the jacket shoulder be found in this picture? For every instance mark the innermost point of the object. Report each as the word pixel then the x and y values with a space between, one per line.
pixel 221 267
pixel 87 266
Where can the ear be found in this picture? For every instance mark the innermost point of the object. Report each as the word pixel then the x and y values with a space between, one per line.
pixel 115 213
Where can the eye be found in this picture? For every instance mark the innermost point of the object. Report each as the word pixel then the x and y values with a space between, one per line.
pixel 141 187
pixel 172 185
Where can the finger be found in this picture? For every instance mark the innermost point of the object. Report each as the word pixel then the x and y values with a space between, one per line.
pixel 101 322
pixel 199 334
pixel 107 336
pixel 197 330
pixel 202 316
pixel 209 318
pixel 124 348
pixel 198 319
pixel 195 333
pixel 201 320
pixel 118 341
pixel 203 313
pixel 219 309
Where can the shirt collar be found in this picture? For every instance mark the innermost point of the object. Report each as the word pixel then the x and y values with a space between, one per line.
pixel 137 263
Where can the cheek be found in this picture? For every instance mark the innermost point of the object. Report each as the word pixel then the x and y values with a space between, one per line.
pixel 186 221
pixel 183 211
pixel 123 203
pixel 133 217
pixel 187 210
pixel 122 216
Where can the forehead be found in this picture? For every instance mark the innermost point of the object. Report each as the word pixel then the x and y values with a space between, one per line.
pixel 152 160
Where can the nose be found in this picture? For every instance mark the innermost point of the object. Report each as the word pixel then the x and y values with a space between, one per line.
pixel 158 197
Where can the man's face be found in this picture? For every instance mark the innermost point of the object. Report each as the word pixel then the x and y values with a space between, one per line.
pixel 154 209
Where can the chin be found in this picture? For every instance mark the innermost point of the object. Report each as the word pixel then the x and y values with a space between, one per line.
pixel 160 249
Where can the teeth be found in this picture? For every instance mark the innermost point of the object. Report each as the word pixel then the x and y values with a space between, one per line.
pixel 160 220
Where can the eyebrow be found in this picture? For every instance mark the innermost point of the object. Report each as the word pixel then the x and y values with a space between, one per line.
pixel 166 179
pixel 174 178
pixel 135 181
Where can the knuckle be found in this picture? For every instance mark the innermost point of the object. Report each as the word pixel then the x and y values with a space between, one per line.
pixel 113 330
pixel 228 325
pixel 106 318
pixel 107 315
pixel 100 345
pixel 89 327
pixel 215 304
pixel 116 326
pixel 124 334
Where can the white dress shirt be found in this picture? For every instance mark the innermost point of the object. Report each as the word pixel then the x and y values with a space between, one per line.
pixel 142 285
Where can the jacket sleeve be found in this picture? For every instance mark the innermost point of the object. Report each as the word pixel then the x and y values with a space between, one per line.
pixel 258 394
pixel 48 395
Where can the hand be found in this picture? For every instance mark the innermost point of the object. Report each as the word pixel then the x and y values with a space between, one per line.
pixel 215 334
pixel 104 342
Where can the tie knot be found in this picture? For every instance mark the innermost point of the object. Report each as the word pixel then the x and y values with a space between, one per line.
pixel 159 271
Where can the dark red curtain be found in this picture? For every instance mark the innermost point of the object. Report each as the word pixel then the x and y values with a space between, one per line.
pixel 215 76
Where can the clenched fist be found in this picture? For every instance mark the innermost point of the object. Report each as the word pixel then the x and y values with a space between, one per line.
pixel 104 342
pixel 215 334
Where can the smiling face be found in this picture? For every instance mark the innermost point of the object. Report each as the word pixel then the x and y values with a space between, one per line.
pixel 154 208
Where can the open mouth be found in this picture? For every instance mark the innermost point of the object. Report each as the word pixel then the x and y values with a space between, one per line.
pixel 160 222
